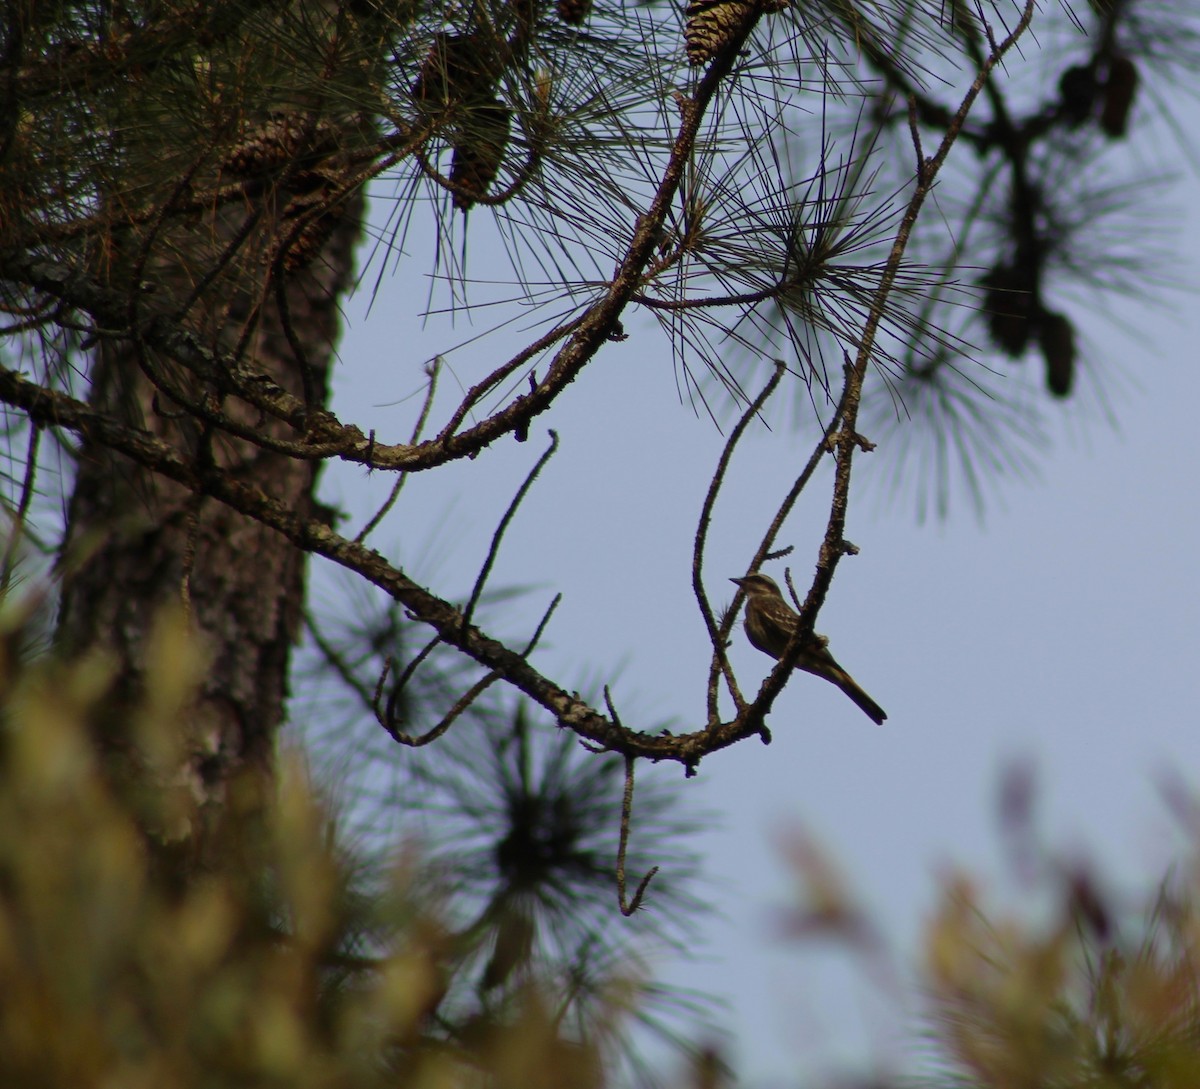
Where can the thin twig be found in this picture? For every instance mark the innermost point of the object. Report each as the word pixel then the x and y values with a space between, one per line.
pixel 18 519
pixel 482 388
pixel 299 353
pixel 337 662
pixel 915 131
pixel 541 628
pixel 236 242
pixel 498 536
pixel 432 370
pixel 629 908
pixel 468 697
pixel 720 664
pixel 460 705
pixel 820 450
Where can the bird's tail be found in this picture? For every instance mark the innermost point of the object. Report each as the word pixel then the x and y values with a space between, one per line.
pixel 822 664
pixel 864 702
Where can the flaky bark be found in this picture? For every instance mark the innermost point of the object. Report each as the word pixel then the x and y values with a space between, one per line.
pixel 138 542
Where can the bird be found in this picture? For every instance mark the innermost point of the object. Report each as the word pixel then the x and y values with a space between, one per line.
pixel 770 621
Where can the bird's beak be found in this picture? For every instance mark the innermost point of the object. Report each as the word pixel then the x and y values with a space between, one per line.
pixel 737 582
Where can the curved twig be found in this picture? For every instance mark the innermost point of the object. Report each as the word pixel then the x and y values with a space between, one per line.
pixel 628 908
pixel 482 388
pixel 448 719
pixel 463 702
pixel 498 536
pixel 716 636
pixel 432 370
pixel 17 531
pixel 520 180
pixel 389 716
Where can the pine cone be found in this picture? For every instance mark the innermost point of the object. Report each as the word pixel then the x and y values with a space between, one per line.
pixel 1010 303
pixel 267 146
pixel 1118 96
pixel 311 238
pixel 457 68
pixel 308 196
pixel 480 151
pixel 711 25
pixel 277 142
pixel 1078 90
pixel 1057 340
pixel 573 12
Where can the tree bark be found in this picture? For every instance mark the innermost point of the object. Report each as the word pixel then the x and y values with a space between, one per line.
pixel 136 543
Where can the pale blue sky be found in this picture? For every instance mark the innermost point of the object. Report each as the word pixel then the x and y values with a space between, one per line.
pixel 1064 628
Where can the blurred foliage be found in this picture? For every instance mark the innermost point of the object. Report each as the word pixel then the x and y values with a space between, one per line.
pixel 265 966
pixel 1072 1002
pixel 1086 990
pixel 1080 986
pixel 276 963
pixel 518 825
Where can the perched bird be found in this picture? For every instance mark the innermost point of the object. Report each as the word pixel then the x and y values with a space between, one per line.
pixel 770 621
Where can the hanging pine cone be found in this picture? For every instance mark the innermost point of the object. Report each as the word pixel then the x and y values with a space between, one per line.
pixel 480 151
pixel 525 15
pixel 573 12
pixel 311 237
pixel 309 191
pixel 1056 338
pixel 458 67
pixel 1077 91
pixel 276 142
pixel 1118 96
pixel 1010 303
pixel 711 25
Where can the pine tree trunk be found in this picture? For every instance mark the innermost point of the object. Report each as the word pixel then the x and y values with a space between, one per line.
pixel 137 543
